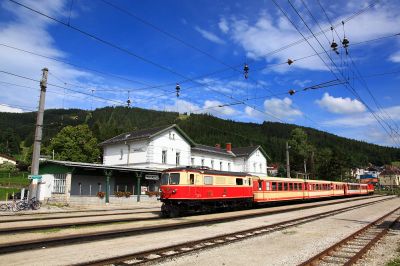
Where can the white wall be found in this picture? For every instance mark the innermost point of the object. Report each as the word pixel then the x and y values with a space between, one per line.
pixel 208 157
pixel 132 152
pixel 171 142
pixel 256 164
pixel 5 160
pixel 148 153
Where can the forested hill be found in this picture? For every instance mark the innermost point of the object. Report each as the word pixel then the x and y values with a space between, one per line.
pixel 18 128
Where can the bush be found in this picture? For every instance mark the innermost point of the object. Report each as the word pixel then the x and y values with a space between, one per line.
pixel 101 194
pixel 7 167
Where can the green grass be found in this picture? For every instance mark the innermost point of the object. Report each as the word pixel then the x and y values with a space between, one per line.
pixel 4 191
pixel 18 179
pixel 394 262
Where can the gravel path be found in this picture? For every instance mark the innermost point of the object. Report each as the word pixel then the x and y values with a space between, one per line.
pixel 264 252
pixel 293 246
pixel 386 249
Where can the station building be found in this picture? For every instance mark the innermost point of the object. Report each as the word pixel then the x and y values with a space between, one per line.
pixel 133 162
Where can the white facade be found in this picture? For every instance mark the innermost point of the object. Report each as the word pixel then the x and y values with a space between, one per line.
pixel 6 159
pixel 170 149
pixel 213 161
pixel 255 164
pixel 161 152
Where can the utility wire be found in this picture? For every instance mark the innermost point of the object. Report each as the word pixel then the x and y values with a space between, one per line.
pixel 363 82
pixel 101 40
pixel 347 85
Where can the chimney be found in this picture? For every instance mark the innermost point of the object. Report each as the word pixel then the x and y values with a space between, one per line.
pixel 228 146
pixel 218 146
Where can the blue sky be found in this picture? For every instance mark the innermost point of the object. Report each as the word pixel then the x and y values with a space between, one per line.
pixel 185 42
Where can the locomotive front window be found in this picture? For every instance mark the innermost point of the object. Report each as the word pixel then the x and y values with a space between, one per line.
pixel 174 179
pixel 164 179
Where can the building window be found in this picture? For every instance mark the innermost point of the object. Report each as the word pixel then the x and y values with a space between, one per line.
pixel 164 157
pixel 178 158
pixel 212 164
pixel 220 166
pixel 192 161
pixel 261 168
pixel 229 166
pixel 254 167
pixel 59 183
pixel 173 136
pixel 121 154
pixel 202 162
pixel 192 179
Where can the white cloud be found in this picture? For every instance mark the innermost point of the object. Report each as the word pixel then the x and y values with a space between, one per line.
pixel 281 108
pixel 301 83
pixel 217 107
pixel 268 33
pixel 209 36
pixel 8 109
pixel 213 107
pixel 395 57
pixel 223 25
pixel 341 105
pixel 30 32
pixel 274 109
pixel 389 114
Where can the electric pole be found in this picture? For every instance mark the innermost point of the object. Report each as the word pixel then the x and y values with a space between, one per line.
pixel 287 160
pixel 38 133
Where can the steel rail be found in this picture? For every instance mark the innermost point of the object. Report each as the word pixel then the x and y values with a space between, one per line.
pixel 66 225
pixel 191 246
pixel 38 218
pixel 360 242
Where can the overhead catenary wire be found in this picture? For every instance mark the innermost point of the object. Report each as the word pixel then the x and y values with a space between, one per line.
pixel 126 50
pixel 108 43
pixel 359 75
pixel 347 85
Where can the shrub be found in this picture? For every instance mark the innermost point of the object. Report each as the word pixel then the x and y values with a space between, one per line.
pixel 101 194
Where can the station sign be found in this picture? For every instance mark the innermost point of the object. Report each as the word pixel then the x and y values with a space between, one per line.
pixel 152 177
pixel 35 177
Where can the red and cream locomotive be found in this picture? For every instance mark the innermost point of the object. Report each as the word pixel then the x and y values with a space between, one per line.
pixel 201 190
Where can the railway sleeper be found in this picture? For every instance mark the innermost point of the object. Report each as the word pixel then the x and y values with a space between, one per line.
pixel 344 254
pixel 333 259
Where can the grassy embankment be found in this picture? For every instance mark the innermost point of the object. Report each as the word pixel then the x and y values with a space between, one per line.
pixel 12 182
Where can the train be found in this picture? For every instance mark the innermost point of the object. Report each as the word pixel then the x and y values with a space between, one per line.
pixel 199 189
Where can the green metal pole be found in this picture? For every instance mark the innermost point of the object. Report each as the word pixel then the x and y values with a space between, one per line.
pixel 138 186
pixel 108 175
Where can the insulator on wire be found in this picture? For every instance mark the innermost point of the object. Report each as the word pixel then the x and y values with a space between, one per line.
pixel 290 61
pixel 291 92
pixel 345 41
pixel 246 71
pixel 178 89
pixel 334 47
pixel 128 102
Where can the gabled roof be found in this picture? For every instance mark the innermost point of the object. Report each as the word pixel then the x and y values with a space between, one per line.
pixel 205 148
pixel 247 151
pixel 146 134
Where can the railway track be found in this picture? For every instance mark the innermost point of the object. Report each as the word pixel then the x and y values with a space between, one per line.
pixel 150 256
pixel 20 226
pixel 17 218
pixel 349 250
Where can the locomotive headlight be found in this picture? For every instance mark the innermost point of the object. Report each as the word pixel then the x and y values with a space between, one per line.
pixel 174 191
